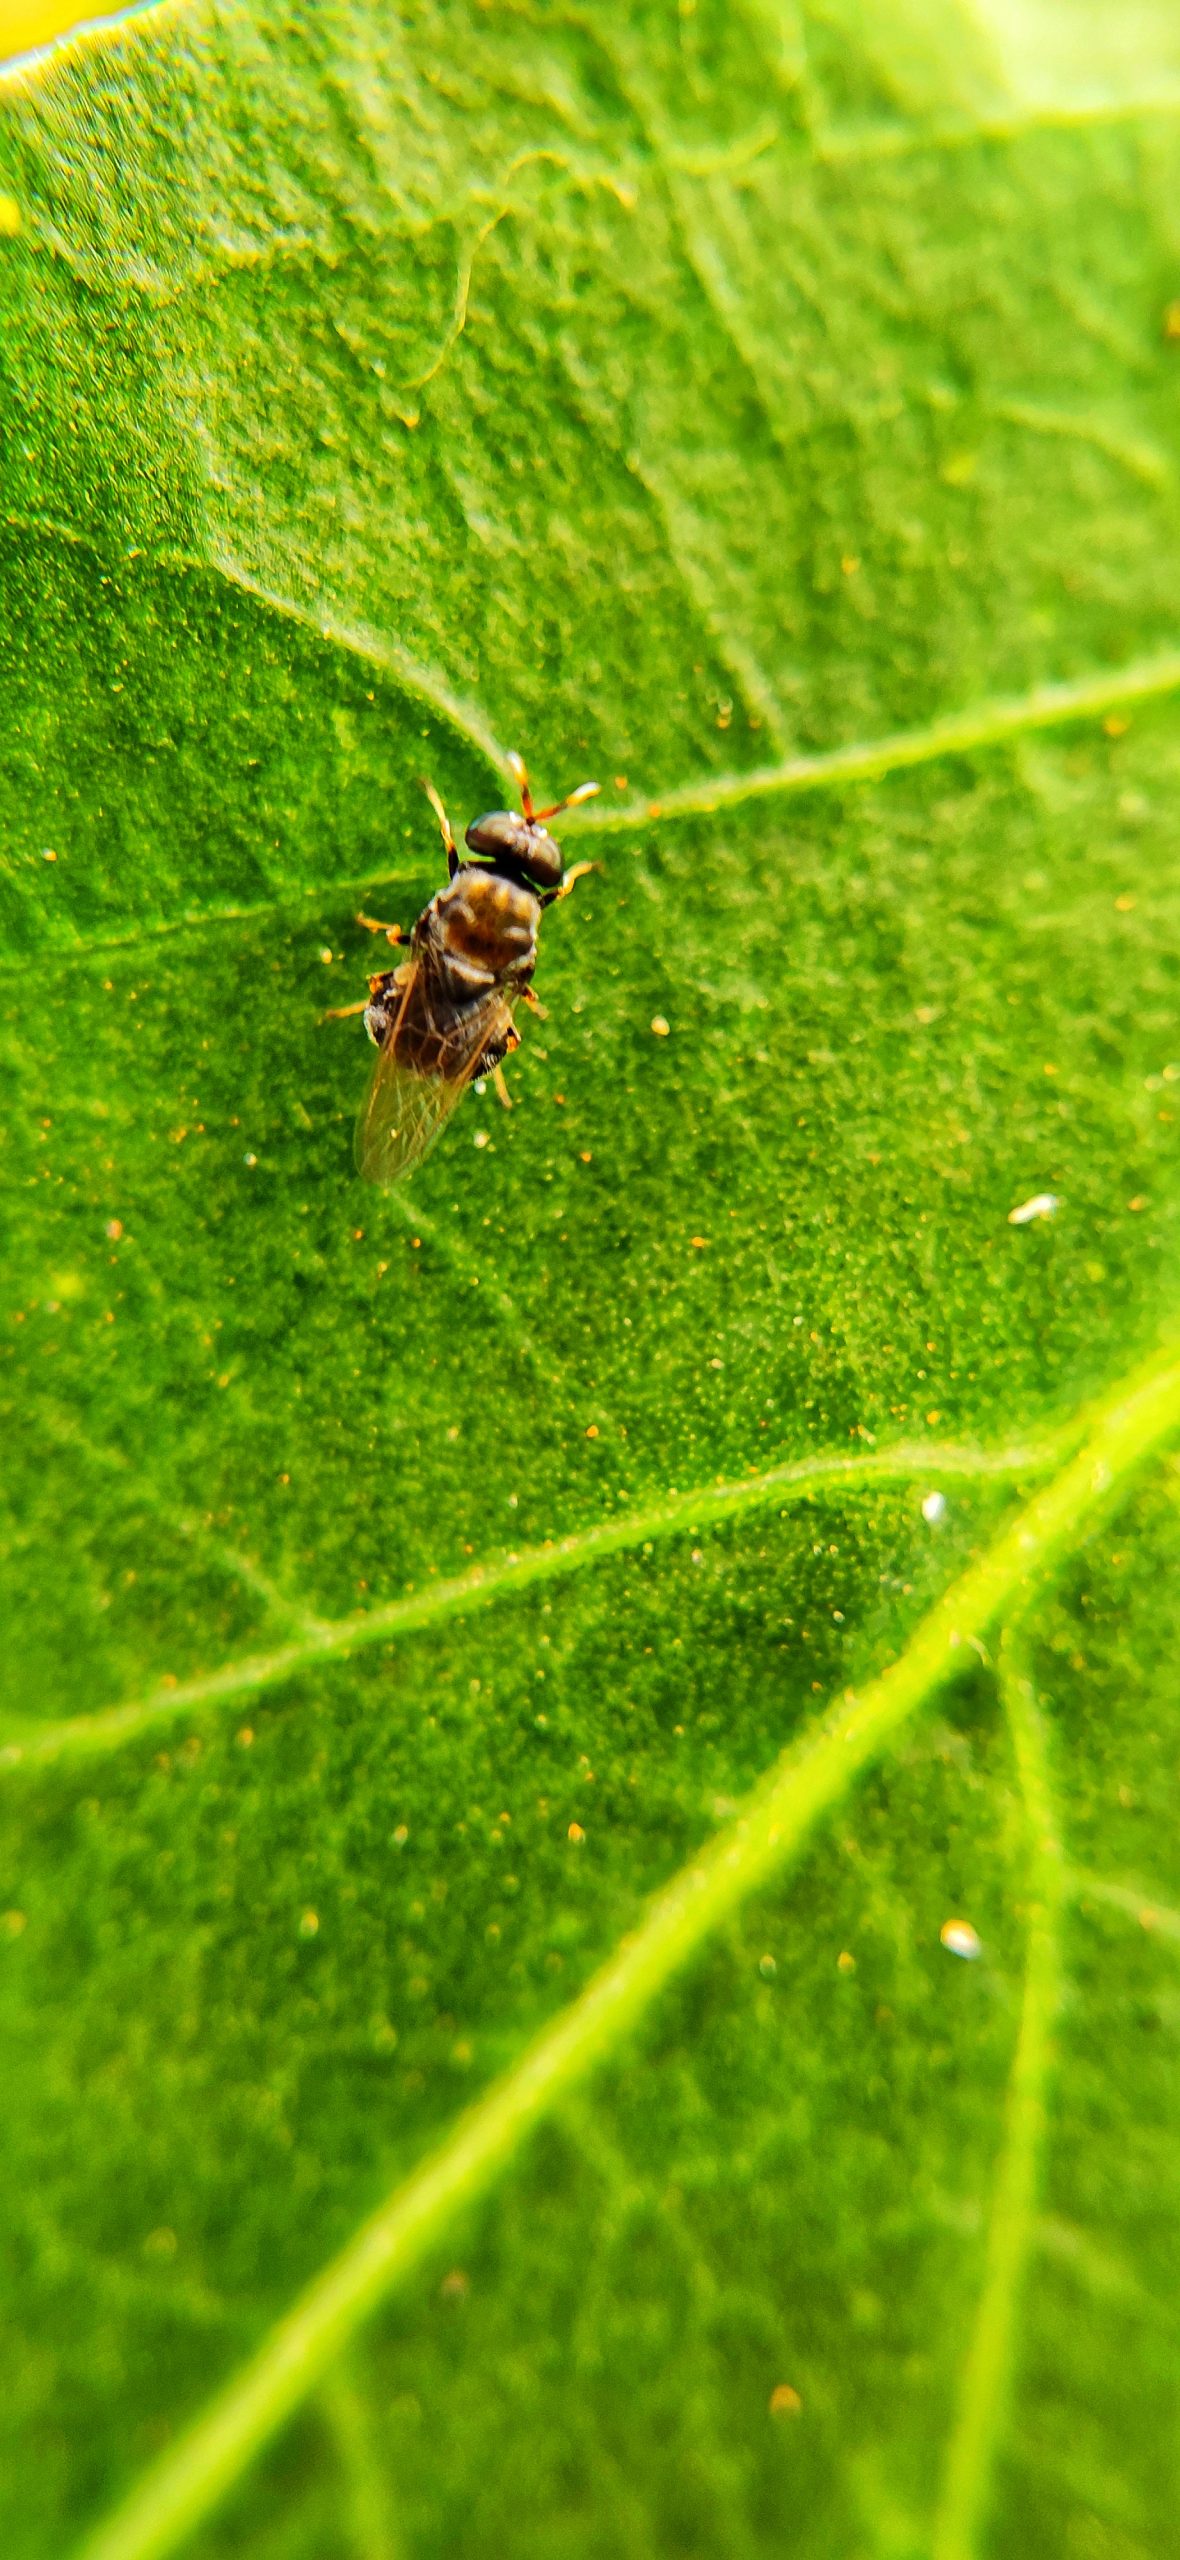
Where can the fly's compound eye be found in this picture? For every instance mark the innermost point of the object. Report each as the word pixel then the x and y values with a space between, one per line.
pixel 500 833
pixel 542 863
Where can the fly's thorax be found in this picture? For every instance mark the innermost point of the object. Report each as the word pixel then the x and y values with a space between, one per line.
pixel 484 929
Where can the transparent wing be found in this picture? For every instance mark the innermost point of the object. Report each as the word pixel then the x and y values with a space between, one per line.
pixel 427 1061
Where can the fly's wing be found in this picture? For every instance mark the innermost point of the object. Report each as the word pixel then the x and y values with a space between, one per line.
pixel 426 1063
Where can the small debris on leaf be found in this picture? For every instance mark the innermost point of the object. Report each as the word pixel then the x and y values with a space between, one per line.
pixel 1043 1204
pixel 960 1939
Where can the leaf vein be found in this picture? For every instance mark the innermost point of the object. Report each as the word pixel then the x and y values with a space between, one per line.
pixel 1152 1915
pixel 799 1479
pixel 810 1778
pixel 987 2370
pixel 981 725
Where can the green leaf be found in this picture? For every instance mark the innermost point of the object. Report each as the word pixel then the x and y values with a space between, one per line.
pixel 510 1680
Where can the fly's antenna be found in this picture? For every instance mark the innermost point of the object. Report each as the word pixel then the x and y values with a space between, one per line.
pixel 585 791
pixel 520 775
pixel 444 822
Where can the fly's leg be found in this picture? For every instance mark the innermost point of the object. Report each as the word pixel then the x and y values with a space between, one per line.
pixel 340 1012
pixel 489 1064
pixel 444 827
pixel 501 1047
pixel 378 986
pixel 577 871
pixel 534 1004
pixel 392 932
pixel 511 1042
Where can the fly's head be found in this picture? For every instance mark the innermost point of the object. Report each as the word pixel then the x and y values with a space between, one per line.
pixel 517 845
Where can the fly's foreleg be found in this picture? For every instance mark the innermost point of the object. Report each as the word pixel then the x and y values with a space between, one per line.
pixel 577 871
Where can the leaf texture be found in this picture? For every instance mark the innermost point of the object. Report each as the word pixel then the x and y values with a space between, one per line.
pixel 415 1605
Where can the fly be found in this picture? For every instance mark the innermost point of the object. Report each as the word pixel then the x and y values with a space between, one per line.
pixel 446 1013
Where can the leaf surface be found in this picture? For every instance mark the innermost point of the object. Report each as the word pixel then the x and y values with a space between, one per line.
pixel 408 1595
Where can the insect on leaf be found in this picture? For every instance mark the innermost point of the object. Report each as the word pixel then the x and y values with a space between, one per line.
pixel 589 1891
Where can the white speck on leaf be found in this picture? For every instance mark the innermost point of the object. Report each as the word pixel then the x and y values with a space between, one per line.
pixel 934 1508
pixel 960 1939
pixel 1043 1204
